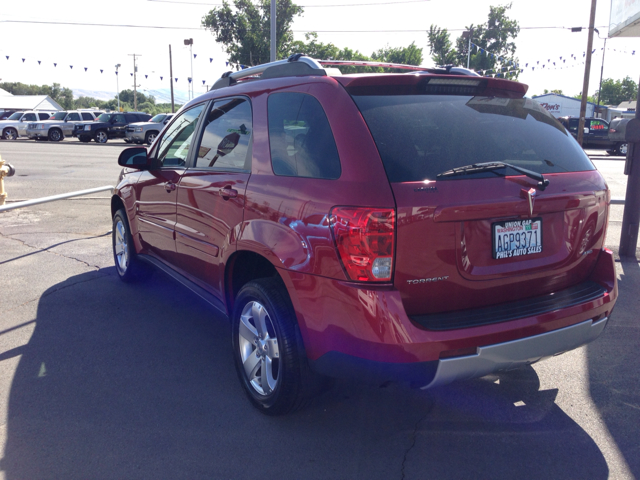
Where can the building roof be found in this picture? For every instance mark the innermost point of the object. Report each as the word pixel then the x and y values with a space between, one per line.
pixel 5 93
pixel 629 105
pixel 28 102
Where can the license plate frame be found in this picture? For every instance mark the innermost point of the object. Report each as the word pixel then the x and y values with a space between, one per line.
pixel 522 241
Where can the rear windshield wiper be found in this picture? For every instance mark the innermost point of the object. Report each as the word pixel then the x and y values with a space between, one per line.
pixel 492 166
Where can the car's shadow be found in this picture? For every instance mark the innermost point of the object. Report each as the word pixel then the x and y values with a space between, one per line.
pixel 137 381
pixel 614 369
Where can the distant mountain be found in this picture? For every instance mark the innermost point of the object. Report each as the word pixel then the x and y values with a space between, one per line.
pixel 162 95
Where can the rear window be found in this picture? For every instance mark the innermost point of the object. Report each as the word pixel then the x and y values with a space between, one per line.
pixel 420 136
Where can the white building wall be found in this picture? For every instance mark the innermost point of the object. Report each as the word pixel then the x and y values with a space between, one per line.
pixel 561 106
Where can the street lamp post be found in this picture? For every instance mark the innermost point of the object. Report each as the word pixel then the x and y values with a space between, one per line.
pixel 118 85
pixel 189 41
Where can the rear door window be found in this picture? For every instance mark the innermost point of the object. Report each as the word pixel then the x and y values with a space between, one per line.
pixel 74 117
pixel 87 116
pixel 420 136
pixel 300 138
pixel 43 116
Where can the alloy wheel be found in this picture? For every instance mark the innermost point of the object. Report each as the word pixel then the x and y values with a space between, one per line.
pixel 259 348
pixel 120 247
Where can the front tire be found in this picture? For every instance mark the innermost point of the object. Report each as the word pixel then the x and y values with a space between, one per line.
pixel 10 134
pixel 267 348
pixel 55 135
pixel 128 266
pixel 84 139
pixel 150 137
pixel 101 136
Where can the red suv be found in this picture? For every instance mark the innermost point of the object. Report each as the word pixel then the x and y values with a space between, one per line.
pixel 423 227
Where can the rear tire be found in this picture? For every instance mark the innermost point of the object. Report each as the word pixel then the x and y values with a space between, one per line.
pixel 268 351
pixel 128 266
pixel 621 149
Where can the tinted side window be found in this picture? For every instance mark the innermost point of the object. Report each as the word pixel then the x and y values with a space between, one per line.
pixel 74 117
pixel 301 141
pixel 119 118
pixel 30 117
pixel 43 116
pixel 227 136
pixel 573 124
pixel 87 116
pixel 132 118
pixel 173 149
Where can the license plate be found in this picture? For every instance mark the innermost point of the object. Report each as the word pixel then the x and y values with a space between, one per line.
pixel 516 238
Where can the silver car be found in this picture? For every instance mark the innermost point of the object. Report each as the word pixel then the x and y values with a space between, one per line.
pixel 146 132
pixel 16 125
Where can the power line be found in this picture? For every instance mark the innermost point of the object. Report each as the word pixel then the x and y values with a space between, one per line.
pixel 305 6
pixel 295 31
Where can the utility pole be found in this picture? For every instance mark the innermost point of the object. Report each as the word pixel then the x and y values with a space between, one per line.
pixel 273 30
pixel 468 34
pixel 604 50
pixel 173 108
pixel 631 214
pixel 118 85
pixel 135 84
pixel 587 70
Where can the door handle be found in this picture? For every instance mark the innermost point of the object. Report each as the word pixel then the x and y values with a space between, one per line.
pixel 170 187
pixel 228 192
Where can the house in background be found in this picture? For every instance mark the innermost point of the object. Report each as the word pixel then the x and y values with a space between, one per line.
pixel 562 106
pixel 15 103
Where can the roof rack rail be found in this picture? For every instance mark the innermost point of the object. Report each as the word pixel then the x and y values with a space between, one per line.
pixel 300 64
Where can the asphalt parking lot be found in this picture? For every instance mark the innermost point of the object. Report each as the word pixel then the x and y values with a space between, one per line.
pixel 99 379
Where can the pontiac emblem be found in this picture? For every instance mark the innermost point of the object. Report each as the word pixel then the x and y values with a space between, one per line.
pixel 530 195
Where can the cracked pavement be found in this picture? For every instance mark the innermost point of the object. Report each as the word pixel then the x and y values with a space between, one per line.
pixel 99 379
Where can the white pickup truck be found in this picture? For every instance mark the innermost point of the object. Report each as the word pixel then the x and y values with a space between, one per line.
pixel 16 125
pixel 60 125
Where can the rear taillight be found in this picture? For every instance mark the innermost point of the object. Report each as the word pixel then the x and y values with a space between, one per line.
pixel 365 239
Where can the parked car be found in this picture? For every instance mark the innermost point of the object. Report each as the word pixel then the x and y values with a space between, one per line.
pixel 617 129
pixel 146 132
pixel 422 228
pixel 16 125
pixel 60 125
pixel 595 135
pixel 109 126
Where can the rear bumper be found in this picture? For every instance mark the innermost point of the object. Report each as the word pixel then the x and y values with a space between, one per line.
pixel 350 331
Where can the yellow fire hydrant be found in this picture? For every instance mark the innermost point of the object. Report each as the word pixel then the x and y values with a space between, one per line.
pixel 6 170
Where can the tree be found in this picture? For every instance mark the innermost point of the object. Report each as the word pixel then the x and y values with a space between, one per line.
pixel 410 55
pixel 440 48
pixel 614 92
pixel 495 39
pixel 590 98
pixel 245 30
pixel 557 92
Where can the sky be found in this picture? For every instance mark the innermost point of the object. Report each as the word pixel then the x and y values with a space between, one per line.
pixel 364 25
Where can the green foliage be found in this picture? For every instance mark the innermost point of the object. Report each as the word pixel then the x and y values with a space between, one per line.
pixel 496 36
pixel 557 92
pixel 590 98
pixel 410 55
pixel 614 92
pixel 440 48
pixel 245 30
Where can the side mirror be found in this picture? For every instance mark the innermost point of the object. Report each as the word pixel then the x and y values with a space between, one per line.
pixel 586 130
pixel 134 157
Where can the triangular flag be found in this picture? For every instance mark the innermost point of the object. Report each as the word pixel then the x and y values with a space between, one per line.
pixel 146 76
pixel 176 80
pixel 203 82
pixel 160 78
pixel 71 67
pixel 210 60
pixel 100 70
pixel 7 57
pixel 195 55
pixel 116 72
pixel 131 74
pixel 23 60
pixel 38 62
pixel 85 69
pixel 55 64
pixel 189 79
pixel 224 62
